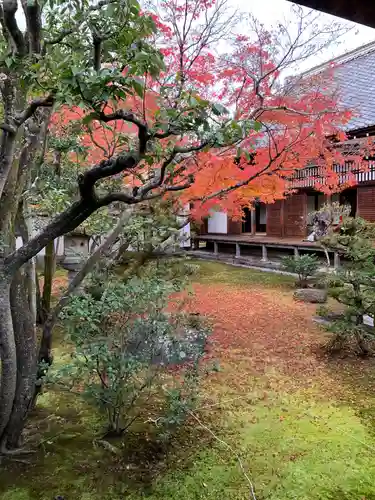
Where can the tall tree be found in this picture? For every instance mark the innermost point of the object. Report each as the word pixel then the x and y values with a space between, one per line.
pixel 146 95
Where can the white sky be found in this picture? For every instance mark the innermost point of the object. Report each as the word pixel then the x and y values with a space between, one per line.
pixel 270 12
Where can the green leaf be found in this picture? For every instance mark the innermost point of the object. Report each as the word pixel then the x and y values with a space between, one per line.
pixel 9 61
pixel 138 87
pixel 194 102
pixel 89 118
pixel 257 126
pixel 219 110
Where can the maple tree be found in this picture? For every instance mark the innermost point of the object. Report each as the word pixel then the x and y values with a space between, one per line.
pixel 159 114
pixel 266 128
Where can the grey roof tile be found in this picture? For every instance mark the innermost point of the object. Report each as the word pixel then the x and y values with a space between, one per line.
pixel 354 76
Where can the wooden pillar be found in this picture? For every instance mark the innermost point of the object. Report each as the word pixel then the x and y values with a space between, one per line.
pixel 305 214
pixel 238 250
pixel 216 248
pixel 253 222
pixel 336 260
pixel 264 254
pixel 329 199
pixel 296 253
pixel 282 223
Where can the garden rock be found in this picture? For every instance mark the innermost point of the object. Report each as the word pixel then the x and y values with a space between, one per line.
pixel 313 295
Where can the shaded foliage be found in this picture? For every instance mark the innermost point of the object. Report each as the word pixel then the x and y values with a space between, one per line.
pixel 304 265
pixel 125 344
pixel 353 285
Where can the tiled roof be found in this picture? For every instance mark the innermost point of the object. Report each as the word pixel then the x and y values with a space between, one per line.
pixel 354 75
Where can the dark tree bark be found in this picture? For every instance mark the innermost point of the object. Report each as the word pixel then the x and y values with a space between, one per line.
pixel 39 315
pixel 49 271
pixel 26 351
pixel 8 377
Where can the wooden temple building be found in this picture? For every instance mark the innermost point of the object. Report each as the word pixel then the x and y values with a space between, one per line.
pixel 273 229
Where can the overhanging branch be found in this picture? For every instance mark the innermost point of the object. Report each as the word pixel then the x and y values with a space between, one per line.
pixel 128 116
pixel 104 169
pixel 27 113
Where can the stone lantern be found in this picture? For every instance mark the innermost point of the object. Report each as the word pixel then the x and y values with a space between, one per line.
pixel 76 251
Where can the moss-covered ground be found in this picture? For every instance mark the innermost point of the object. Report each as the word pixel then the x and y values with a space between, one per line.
pixel 302 423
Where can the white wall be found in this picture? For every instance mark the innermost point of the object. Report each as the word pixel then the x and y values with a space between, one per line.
pixel 185 236
pixel 59 245
pixel 218 223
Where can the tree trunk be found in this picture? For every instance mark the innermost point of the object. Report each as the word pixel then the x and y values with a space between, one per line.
pixel 8 378
pixel 38 300
pixel 25 340
pixel 49 271
pixel 45 351
pixel 30 267
pixel 30 275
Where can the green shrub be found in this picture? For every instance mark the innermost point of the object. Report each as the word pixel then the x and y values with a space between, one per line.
pixel 125 345
pixel 304 265
pixel 353 285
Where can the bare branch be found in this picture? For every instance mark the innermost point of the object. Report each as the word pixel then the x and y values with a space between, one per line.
pixel 118 196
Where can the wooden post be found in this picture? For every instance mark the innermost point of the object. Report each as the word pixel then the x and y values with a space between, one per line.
pixel 305 214
pixel 336 260
pixel 329 199
pixel 264 254
pixel 238 250
pixel 216 248
pixel 296 253
pixel 282 222
pixel 253 222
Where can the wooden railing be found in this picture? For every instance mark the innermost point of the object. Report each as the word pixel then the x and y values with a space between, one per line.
pixel 310 176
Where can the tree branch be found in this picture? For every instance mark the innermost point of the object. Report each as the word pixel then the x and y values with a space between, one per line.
pixel 79 211
pixel 8 128
pixel 69 31
pixel 7 148
pixel 97 42
pixel 34 24
pixel 239 184
pixel 63 223
pixel 105 168
pixel 27 113
pixel 118 196
pixel 9 11
pixel 3 26
pixel 121 114
pixel 128 116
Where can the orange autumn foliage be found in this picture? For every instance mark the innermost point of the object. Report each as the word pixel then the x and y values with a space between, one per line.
pixel 292 123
